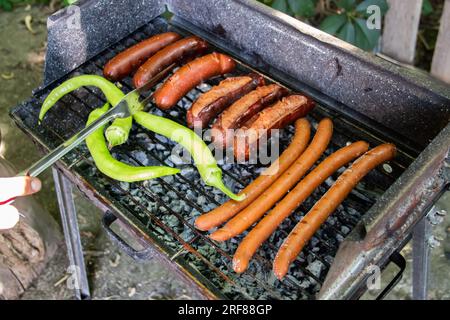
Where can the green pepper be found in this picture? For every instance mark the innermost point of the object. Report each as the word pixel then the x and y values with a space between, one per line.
pixel 204 160
pixel 113 168
pixel 118 132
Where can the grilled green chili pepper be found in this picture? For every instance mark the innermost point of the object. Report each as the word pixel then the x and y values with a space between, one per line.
pixel 203 158
pixel 118 132
pixel 113 168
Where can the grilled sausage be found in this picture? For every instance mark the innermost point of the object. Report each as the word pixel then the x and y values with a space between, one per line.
pixel 319 213
pixel 277 116
pixel 189 76
pixel 242 111
pixel 130 59
pixel 187 47
pixel 278 189
pixel 293 199
pixel 213 102
pixel 227 210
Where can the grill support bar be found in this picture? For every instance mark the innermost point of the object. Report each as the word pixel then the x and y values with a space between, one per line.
pixel 420 253
pixel 63 188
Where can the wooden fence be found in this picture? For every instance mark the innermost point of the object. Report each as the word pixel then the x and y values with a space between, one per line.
pixel 401 27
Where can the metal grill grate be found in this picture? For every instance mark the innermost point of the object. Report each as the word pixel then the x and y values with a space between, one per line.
pixel 166 208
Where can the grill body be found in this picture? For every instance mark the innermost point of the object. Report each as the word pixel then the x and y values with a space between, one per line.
pixel 371 224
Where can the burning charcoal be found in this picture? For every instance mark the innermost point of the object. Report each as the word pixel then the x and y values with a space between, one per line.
pixel 162 139
pixel 172 195
pixel 176 160
pixel 345 229
pixel 125 186
pixel 188 172
pixel 168 179
pixel 141 157
pixel 151 206
pixel 315 268
pixel 191 195
pixel 201 200
pixel 314 242
pixel 227 166
pixel 158 112
pixel 172 221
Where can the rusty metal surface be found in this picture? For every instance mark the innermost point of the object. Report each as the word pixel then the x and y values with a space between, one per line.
pixel 390 220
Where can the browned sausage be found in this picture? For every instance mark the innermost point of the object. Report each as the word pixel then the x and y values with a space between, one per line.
pixel 190 75
pixel 242 111
pixel 277 116
pixel 278 189
pixel 213 102
pixel 187 47
pixel 130 59
pixel 226 211
pixel 312 221
pixel 293 199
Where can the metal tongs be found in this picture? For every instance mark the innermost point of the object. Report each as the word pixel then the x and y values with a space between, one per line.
pixel 121 110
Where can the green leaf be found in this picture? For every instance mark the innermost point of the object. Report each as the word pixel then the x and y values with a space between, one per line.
pixel 347 33
pixel 280 5
pixel 382 4
pixel 347 5
pixel 360 38
pixel 427 8
pixel 332 24
pixel 6 5
pixel 303 8
pixel 371 36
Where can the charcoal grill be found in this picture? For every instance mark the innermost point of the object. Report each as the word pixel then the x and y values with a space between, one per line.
pixel 367 98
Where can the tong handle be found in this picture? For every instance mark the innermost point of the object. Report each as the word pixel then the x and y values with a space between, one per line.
pixel 48 160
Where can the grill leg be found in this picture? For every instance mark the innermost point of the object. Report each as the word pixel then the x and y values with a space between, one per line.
pixel 77 269
pixel 420 253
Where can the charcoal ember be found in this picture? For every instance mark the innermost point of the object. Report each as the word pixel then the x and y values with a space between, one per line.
pixel 172 221
pixel 142 158
pixel 176 159
pixel 353 212
pixel 315 268
pixel 345 229
pixel 192 195
pixel 201 200
pixel 160 147
pixel 125 186
pixel 168 179
pixel 204 87
pixel 185 103
pixel 314 242
pixel 151 206
pixel 227 166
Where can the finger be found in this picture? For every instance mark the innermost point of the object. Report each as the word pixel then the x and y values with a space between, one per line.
pixel 9 216
pixel 18 186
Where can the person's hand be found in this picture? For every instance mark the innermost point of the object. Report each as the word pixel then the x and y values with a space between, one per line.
pixel 11 188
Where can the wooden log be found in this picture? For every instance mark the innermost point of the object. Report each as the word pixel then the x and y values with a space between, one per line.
pixel 401 25
pixel 440 67
pixel 25 249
